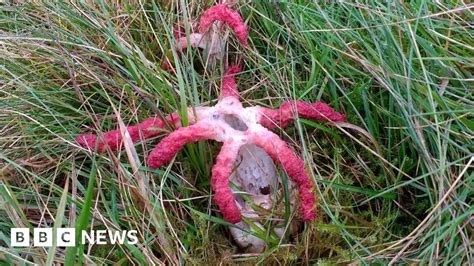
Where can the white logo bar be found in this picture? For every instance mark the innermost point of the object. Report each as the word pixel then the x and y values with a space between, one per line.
pixel 66 237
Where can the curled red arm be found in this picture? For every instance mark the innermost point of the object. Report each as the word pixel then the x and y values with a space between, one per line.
pixel 220 181
pixel 293 166
pixel 230 16
pixel 171 144
pixel 289 110
pixel 113 139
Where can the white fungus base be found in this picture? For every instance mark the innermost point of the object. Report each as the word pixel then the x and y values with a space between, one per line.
pixel 256 176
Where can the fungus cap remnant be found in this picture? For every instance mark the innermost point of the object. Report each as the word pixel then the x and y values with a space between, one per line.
pixel 208 35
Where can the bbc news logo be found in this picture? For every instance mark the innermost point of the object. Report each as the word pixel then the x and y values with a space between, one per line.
pixel 66 237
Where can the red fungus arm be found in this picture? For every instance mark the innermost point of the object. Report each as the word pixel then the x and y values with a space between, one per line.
pixel 146 129
pixel 229 86
pixel 272 118
pixel 171 144
pixel 230 16
pixel 292 165
pixel 220 181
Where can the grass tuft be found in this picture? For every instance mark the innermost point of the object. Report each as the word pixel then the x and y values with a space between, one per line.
pixel 395 185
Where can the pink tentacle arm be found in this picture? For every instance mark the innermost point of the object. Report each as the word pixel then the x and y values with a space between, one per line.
pixel 220 181
pixel 289 110
pixel 113 139
pixel 292 165
pixel 227 15
pixel 229 86
pixel 174 142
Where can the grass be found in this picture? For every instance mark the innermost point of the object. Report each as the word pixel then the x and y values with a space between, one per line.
pixel 395 185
